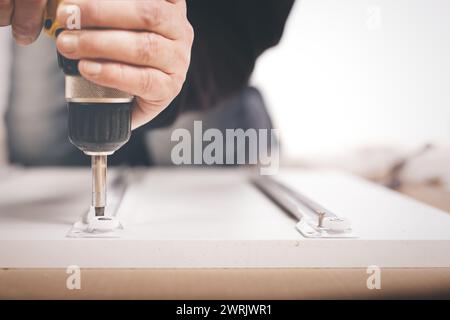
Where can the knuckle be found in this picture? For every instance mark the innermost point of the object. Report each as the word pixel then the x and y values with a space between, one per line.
pixel 177 83
pixel 182 60
pixel 146 82
pixel 190 33
pixel 181 57
pixel 147 48
pixel 186 59
pixel 150 13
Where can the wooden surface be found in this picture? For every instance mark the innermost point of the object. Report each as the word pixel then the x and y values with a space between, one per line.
pixel 224 284
pixel 435 196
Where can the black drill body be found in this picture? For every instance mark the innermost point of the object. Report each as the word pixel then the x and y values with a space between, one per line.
pixel 96 127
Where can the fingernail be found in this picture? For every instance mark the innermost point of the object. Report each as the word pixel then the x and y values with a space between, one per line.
pixel 92 68
pixel 68 43
pixel 21 39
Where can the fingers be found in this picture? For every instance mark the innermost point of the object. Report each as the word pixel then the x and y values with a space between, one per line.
pixel 139 47
pixel 154 89
pixel 157 16
pixel 27 20
pixel 135 48
pixel 147 83
pixel 6 10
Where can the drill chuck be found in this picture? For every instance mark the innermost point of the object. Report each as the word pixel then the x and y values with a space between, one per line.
pixel 99 128
pixel 99 117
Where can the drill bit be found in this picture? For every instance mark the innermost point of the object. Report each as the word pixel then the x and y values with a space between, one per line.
pixel 99 165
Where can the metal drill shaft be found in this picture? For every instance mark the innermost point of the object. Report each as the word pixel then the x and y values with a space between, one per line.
pixel 99 165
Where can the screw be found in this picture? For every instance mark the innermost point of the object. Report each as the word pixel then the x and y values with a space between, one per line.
pixel 321 216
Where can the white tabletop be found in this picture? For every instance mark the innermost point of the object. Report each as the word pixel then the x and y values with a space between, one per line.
pixel 179 218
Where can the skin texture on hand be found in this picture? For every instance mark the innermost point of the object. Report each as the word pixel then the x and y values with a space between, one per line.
pixel 142 47
pixel 25 16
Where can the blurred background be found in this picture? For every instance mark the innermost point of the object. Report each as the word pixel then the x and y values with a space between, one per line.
pixel 360 85
pixel 364 85
pixel 352 73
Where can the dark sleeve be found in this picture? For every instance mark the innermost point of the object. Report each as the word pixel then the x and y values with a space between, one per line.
pixel 229 37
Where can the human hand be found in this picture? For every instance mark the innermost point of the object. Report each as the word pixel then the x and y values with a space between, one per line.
pixel 25 16
pixel 140 47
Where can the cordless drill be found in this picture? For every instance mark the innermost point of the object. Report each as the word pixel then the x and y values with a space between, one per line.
pixel 99 118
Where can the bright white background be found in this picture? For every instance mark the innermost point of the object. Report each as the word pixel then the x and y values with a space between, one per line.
pixel 354 73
